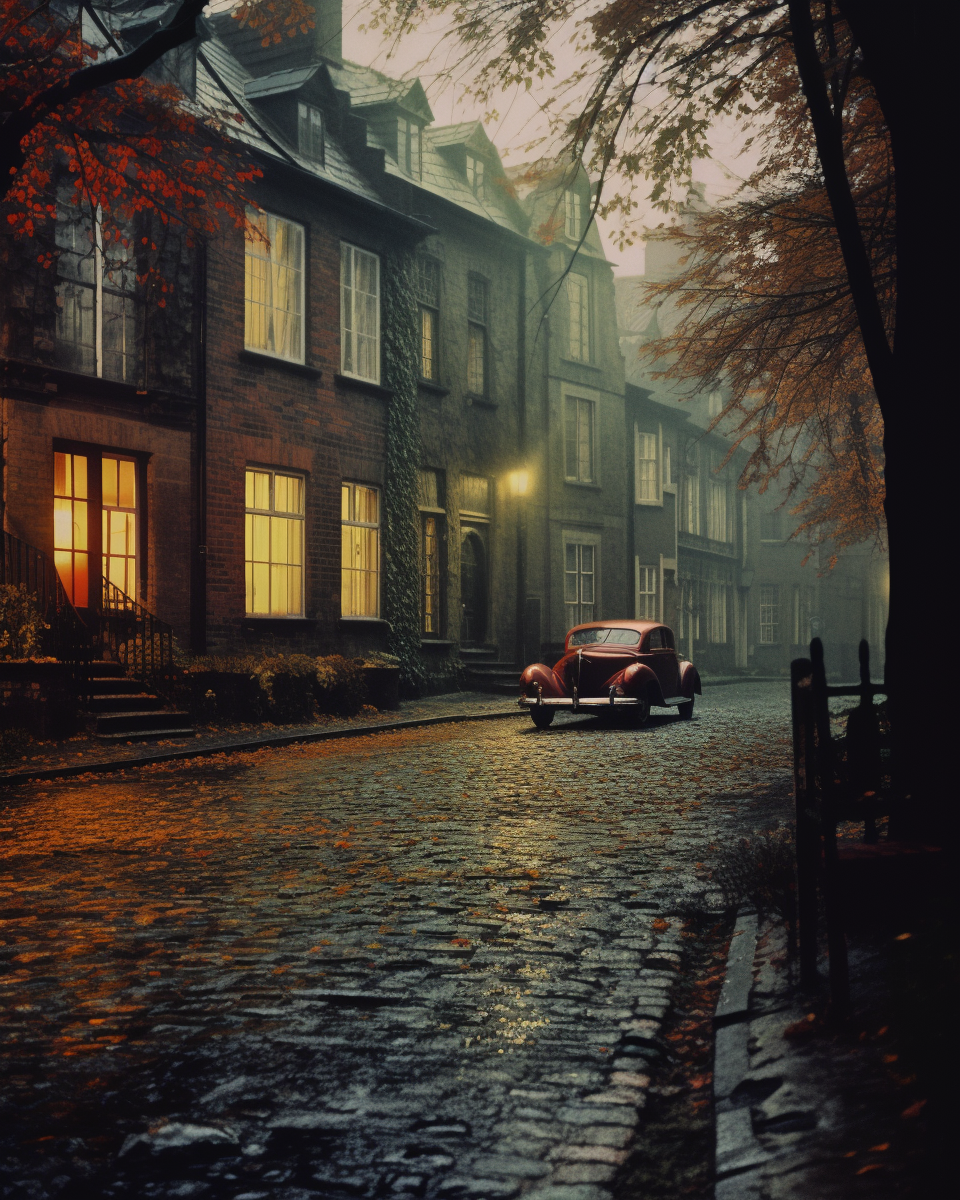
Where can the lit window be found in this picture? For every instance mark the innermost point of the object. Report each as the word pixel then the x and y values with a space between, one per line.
pixel 428 287
pixel 273 286
pixel 648 490
pixel 476 336
pixel 430 576
pixel 119 520
pixel 571 215
pixel 96 298
pixel 310 137
pixel 475 176
pixel 647 593
pixel 71 537
pixel 273 543
pixel 359 313
pixel 409 152
pixel 579 583
pixel 360 552
pixel 769 614
pixel 578 310
pixel 579 439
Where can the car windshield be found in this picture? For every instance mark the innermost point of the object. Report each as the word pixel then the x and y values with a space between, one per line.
pixel 615 637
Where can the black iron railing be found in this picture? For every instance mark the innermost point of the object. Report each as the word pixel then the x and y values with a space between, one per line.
pixel 131 635
pixel 67 636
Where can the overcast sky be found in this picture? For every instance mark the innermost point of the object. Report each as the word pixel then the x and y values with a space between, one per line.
pixel 432 55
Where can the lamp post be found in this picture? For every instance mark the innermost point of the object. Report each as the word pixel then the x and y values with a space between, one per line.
pixel 519 487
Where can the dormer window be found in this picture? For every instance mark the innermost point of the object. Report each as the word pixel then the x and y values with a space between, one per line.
pixel 310 140
pixel 409 153
pixel 475 175
pixel 571 213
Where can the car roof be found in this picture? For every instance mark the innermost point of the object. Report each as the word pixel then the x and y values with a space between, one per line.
pixel 639 626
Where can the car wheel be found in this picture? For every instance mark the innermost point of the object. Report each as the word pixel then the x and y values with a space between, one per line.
pixel 542 717
pixel 641 713
pixel 686 710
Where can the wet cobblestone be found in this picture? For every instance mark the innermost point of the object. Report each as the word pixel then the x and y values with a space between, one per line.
pixel 420 964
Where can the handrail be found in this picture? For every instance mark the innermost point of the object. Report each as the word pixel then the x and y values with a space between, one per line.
pixel 67 636
pixel 130 634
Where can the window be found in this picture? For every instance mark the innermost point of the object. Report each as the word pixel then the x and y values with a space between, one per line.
pixel 475 495
pixel 71 534
pixel 273 543
pixel 579 582
pixel 647 489
pixel 769 614
pixel 273 286
pixel 359 313
pixel 476 335
pixel 770 526
pixel 667 468
pixel 578 316
pixel 714 404
pixel 475 176
pixel 579 438
pixel 691 602
pixel 717 511
pixel 571 214
pixel 717 590
pixel 803 595
pixel 690 491
pixel 97 304
pixel 430 576
pixel 119 521
pixel 647 606
pixel 360 557
pixel 409 152
pixel 428 288
pixel 310 137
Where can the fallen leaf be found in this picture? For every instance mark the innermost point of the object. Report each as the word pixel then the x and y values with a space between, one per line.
pixel 914 1110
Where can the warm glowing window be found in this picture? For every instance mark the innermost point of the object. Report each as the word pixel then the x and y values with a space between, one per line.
pixel 579 582
pixel 578 316
pixel 360 556
pixel 273 286
pixel 359 313
pixel 119 521
pixel 71 534
pixel 273 541
pixel 579 439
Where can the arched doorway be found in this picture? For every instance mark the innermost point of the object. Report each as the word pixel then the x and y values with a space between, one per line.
pixel 473 587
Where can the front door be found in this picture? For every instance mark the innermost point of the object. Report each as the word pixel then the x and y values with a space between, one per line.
pixel 473 587
pixel 95 524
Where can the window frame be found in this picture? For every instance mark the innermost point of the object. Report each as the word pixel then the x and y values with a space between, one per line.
pixel 655 480
pixel 476 170
pixel 300 358
pixel 576 539
pixel 645 573
pixel 575 476
pixel 353 523
pixel 480 327
pixel 306 113
pixel 572 215
pixel 410 147
pixel 273 513
pixel 429 306
pixel 765 622
pixel 579 342
pixel 344 332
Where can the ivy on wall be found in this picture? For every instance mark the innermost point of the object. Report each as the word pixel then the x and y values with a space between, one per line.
pixel 400 513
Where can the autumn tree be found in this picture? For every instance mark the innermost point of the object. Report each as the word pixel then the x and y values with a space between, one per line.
pixel 655 75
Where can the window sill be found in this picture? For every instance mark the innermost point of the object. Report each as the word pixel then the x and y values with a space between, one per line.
pixel 430 641
pixel 475 401
pixel 274 624
pixel 285 364
pixel 435 389
pixel 575 483
pixel 363 385
pixel 577 362
pixel 365 621
pixel 648 503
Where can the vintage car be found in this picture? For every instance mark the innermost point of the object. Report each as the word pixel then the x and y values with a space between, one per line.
pixel 612 668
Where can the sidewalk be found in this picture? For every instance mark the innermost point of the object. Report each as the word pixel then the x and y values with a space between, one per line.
pixel 85 753
pixel 805 1109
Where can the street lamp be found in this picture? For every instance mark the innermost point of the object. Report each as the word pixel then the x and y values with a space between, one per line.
pixel 519 482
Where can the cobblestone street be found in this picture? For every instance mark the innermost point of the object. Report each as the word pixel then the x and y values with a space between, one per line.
pixel 431 963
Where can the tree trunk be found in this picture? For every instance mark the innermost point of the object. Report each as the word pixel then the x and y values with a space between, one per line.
pixel 905 57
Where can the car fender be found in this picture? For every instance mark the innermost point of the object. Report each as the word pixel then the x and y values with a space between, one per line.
pixel 639 677
pixel 689 680
pixel 538 674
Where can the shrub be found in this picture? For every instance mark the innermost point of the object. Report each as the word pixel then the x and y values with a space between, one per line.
pixel 760 870
pixel 340 687
pixel 21 622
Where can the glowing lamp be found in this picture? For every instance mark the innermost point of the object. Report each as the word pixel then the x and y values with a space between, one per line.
pixel 519 483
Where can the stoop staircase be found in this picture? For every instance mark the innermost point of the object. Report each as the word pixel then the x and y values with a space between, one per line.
pixel 485 672
pixel 127 711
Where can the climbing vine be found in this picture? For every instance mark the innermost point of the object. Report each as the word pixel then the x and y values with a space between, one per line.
pixel 400 513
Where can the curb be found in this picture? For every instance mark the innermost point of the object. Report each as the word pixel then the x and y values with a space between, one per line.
pixel 737 1149
pixel 290 739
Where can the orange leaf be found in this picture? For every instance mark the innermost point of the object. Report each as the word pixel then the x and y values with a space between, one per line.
pixel 913 1110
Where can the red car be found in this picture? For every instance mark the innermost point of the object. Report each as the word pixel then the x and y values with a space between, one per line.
pixel 612 667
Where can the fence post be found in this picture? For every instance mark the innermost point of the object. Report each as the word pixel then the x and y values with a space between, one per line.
pixel 807 818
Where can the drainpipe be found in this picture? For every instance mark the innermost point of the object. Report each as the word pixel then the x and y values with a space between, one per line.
pixel 522 438
pixel 198 572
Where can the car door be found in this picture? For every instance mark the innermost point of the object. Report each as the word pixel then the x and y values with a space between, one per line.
pixel 662 658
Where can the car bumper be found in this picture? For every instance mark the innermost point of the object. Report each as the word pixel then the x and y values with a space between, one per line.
pixel 578 702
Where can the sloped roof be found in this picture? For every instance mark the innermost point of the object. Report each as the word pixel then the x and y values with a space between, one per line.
pixel 368 87
pixel 279 81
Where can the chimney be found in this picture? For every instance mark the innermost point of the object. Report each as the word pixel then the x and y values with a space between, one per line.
pixel 328 29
